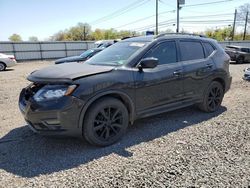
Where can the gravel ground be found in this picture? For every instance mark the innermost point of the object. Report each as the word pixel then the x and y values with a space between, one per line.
pixel 184 148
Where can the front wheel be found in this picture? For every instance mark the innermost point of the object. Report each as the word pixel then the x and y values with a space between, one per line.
pixel 2 67
pixel 212 98
pixel 106 122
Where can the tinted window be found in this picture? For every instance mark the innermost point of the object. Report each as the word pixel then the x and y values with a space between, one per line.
pixel 164 52
pixel 245 50
pixel 117 54
pixel 191 50
pixel 208 48
pixel 232 48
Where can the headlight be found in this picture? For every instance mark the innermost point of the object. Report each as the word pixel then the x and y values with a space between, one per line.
pixel 51 92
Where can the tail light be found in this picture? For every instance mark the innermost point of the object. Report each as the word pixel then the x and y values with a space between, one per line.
pixel 12 58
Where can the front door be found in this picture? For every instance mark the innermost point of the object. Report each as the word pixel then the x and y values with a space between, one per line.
pixel 162 84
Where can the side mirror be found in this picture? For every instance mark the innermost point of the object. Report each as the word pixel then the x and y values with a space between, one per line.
pixel 148 63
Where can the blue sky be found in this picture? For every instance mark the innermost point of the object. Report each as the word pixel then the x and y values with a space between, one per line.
pixel 43 18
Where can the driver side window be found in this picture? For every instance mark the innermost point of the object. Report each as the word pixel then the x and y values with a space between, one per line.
pixel 165 52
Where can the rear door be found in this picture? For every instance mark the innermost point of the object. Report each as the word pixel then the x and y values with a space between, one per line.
pixel 162 84
pixel 198 65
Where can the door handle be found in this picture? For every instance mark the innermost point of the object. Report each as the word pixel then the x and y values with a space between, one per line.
pixel 177 73
pixel 209 66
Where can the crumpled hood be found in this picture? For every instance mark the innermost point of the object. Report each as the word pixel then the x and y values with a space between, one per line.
pixel 67 72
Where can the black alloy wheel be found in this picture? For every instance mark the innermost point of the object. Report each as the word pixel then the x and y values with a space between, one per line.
pixel 105 122
pixel 213 97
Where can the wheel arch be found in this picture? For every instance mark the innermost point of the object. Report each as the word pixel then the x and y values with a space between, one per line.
pixel 221 81
pixel 123 97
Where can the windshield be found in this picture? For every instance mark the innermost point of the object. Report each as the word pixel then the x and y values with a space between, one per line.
pixel 117 54
pixel 232 48
pixel 86 53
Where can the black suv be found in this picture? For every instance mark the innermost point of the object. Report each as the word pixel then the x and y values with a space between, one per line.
pixel 238 54
pixel 135 78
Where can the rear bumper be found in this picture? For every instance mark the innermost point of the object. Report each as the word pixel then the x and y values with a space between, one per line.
pixel 228 83
pixel 11 63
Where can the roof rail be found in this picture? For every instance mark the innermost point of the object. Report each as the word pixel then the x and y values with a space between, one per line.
pixel 191 34
pixel 128 37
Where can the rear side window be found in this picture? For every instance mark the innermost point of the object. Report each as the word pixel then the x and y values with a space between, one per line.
pixel 208 48
pixel 191 50
pixel 245 50
pixel 165 52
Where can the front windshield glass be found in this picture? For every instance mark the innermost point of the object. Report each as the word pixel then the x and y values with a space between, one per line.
pixel 232 48
pixel 86 53
pixel 117 54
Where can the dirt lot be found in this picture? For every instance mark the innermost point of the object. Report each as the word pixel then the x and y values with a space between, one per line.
pixel 181 148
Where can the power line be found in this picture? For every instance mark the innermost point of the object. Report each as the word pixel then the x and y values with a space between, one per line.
pixel 153 25
pixel 121 11
pixel 145 18
pixel 170 22
pixel 209 3
pixel 210 15
pixel 204 21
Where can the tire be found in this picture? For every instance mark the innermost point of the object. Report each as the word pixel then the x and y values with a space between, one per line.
pixel 105 122
pixel 2 66
pixel 212 98
pixel 240 60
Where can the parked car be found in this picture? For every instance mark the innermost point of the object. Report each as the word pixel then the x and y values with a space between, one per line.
pixel 104 43
pixel 83 57
pixel 132 79
pixel 247 74
pixel 6 61
pixel 238 54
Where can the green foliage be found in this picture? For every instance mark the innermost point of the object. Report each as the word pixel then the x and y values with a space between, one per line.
pixel 225 34
pixel 15 38
pixel 220 34
pixel 82 32
pixel 33 39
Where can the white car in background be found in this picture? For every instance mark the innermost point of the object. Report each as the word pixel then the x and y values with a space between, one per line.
pixel 247 74
pixel 6 61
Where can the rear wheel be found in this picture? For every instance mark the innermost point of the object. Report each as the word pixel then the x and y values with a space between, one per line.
pixel 106 122
pixel 213 97
pixel 2 66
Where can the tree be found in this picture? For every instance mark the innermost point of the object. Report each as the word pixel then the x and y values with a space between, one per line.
pixel 82 31
pixel 242 12
pixel 98 34
pixel 15 38
pixel 219 34
pixel 33 39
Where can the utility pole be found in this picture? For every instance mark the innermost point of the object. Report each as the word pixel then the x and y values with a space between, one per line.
pixel 156 26
pixel 84 33
pixel 235 15
pixel 245 30
pixel 178 18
